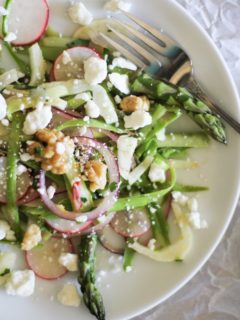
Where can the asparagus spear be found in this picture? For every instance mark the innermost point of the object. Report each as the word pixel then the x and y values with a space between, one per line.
pixel 178 96
pixel 86 278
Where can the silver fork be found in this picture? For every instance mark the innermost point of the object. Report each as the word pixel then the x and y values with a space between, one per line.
pixel 161 57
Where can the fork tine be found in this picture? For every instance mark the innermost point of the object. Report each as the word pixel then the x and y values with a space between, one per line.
pixel 166 41
pixel 124 51
pixel 152 44
pixel 140 50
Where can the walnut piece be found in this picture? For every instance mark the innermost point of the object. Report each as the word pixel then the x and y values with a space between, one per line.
pixel 96 173
pixel 53 150
pixel 134 103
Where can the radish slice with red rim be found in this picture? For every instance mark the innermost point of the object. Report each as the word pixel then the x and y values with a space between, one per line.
pixel 67 227
pixel 24 182
pixel 43 260
pixel 69 65
pixel 28 20
pixel 131 223
pixel 146 237
pixel 111 240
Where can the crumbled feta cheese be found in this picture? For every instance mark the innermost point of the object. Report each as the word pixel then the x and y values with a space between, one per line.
pixel 32 237
pixel 10 37
pixel 10 236
pixel 26 157
pixel 128 269
pixel 92 109
pixel 60 148
pixel 123 63
pixel 115 5
pixel 85 96
pixel 117 99
pixel 66 58
pixel 161 135
pixel 80 14
pixel 21 283
pixel 95 70
pixel 102 219
pixel 3 11
pixel 4 228
pixel 69 296
pixel 138 119
pixel 126 147
pixel 69 261
pixel 37 119
pixel 5 122
pixel 157 172
pixel 7 261
pixel 120 81
pixel 3 107
pixel 21 169
pixel 188 206
pixel 51 191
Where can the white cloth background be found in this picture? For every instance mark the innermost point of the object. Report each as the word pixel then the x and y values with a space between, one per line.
pixel 214 293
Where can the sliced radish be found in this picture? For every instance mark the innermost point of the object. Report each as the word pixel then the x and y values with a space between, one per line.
pixel 43 260
pixel 146 237
pixel 30 196
pixel 67 227
pixel 69 65
pixel 111 240
pixel 23 182
pixel 28 20
pixel 132 223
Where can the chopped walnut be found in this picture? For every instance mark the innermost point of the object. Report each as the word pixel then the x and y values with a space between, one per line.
pixel 96 173
pixel 32 237
pixel 53 150
pixel 134 103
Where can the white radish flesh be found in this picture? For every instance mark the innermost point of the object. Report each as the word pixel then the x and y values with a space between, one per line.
pixel 69 65
pixel 67 227
pixel 111 240
pixel 43 260
pixel 23 182
pixel 132 223
pixel 28 20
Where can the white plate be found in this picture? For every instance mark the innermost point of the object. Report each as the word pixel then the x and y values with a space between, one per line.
pixel 127 295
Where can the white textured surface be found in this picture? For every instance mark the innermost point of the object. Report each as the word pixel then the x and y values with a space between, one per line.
pixel 214 293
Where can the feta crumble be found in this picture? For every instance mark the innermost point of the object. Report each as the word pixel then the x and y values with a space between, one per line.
pixel 92 109
pixel 10 37
pixel 5 122
pixel 95 70
pixel 69 261
pixel 3 11
pixel 80 14
pixel 37 119
pixel 21 283
pixel 60 148
pixel 123 63
pixel 51 191
pixel 138 119
pixel 3 107
pixel 5 231
pixel 66 58
pixel 85 96
pixel 32 237
pixel 68 296
pixel 157 172
pixel 161 135
pixel 126 147
pixel 21 169
pixel 116 5
pixel 120 81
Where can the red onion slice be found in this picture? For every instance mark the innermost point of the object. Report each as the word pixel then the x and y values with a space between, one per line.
pixel 110 197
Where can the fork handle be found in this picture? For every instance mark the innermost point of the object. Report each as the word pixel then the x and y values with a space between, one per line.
pixel 194 87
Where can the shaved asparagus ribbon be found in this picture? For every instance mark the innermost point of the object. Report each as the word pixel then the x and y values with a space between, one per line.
pixel 109 200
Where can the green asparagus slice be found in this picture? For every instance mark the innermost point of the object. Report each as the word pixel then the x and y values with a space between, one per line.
pixel 172 95
pixel 86 278
pixel 185 140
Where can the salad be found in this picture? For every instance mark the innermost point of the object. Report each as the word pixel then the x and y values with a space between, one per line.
pixel 89 156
